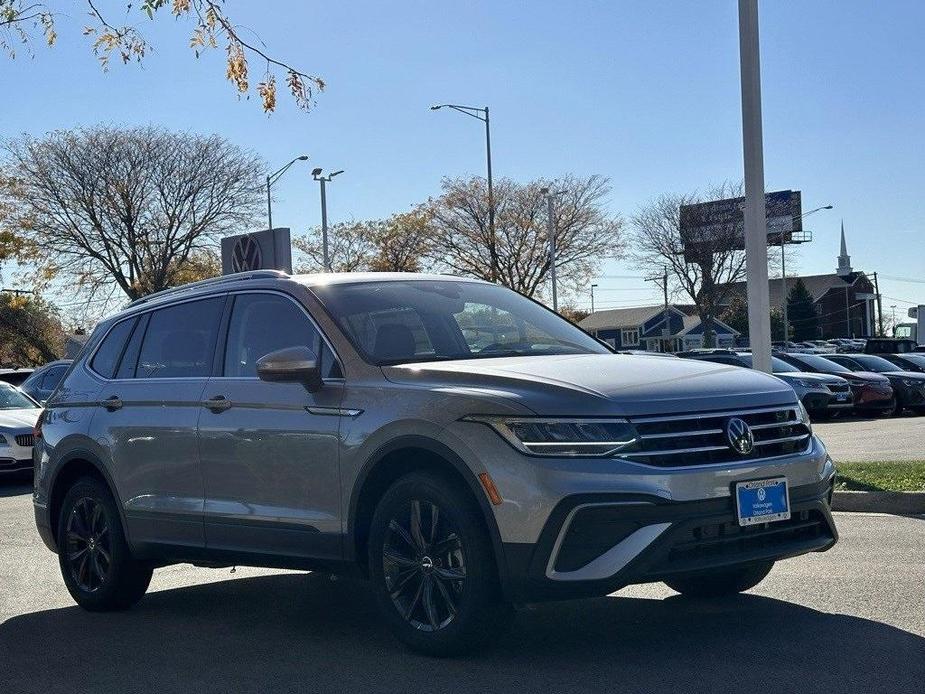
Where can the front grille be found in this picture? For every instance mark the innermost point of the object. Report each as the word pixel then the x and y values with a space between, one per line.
pixel 718 540
pixel 839 388
pixel 25 439
pixel 700 439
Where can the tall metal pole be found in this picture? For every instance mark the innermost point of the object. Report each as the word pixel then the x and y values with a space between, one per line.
pixel 879 307
pixel 491 203
pixel 783 280
pixel 324 227
pixel 756 230
pixel 269 206
pixel 592 297
pixel 551 232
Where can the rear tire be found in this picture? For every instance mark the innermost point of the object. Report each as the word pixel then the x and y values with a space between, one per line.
pixel 96 563
pixel 433 569
pixel 719 582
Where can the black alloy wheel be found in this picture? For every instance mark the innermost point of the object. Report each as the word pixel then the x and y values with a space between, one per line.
pixel 88 548
pixel 424 564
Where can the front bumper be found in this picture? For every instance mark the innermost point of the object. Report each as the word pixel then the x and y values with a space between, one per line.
pixel 593 545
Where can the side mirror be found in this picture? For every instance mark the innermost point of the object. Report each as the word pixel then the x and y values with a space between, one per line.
pixel 291 365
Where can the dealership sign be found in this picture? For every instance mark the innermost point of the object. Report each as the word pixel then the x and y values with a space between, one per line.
pixel 270 249
pixel 720 224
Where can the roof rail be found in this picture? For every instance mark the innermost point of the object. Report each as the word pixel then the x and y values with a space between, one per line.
pixel 251 275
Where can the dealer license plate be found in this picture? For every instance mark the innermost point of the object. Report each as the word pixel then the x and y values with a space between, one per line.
pixel 762 501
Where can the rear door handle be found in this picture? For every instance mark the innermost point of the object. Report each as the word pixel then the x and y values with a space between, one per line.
pixel 112 403
pixel 217 404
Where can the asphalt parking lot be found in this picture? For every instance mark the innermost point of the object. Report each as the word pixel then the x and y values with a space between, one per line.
pixel 867 439
pixel 849 620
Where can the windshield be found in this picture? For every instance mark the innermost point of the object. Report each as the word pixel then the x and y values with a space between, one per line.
pixel 394 322
pixel 822 364
pixel 878 364
pixel 778 366
pixel 14 399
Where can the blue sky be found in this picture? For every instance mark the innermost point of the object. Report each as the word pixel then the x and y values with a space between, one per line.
pixel 646 93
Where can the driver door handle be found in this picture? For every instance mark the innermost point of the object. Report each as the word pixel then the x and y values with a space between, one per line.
pixel 217 404
pixel 112 403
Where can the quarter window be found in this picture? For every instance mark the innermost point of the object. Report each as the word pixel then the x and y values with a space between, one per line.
pixel 180 340
pixel 107 356
pixel 264 323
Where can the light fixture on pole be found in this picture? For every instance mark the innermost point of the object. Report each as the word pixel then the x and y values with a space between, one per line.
pixel 783 273
pixel 592 297
pixel 273 178
pixel 551 236
pixel 323 180
pixel 482 115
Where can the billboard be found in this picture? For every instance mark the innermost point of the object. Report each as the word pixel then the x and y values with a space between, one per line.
pixel 270 249
pixel 721 223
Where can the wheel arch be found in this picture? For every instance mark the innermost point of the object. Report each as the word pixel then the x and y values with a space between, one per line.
pixel 395 459
pixel 76 464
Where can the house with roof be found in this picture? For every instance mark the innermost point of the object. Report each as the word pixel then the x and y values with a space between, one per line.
pixel 846 300
pixel 654 329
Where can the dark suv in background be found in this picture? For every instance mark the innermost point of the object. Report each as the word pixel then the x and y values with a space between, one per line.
pixel 872 391
pixel 908 386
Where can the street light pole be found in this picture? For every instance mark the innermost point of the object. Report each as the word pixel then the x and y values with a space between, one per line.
pixel 482 115
pixel 323 181
pixel 592 297
pixel 756 228
pixel 273 178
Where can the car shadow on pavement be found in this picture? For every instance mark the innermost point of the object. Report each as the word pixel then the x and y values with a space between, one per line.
pixel 302 632
pixel 15 487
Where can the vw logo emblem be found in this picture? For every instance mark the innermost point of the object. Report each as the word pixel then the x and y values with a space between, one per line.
pixel 762 495
pixel 740 436
pixel 246 255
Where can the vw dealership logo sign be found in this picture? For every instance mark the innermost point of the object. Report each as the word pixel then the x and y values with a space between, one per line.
pixel 740 436
pixel 246 254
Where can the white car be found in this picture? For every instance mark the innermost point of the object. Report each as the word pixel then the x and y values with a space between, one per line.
pixel 18 415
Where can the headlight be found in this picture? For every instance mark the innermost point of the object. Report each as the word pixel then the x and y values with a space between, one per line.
pixel 804 416
pixel 4 441
pixel 913 382
pixel 802 383
pixel 564 437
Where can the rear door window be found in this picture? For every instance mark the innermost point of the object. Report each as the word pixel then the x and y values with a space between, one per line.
pixel 180 340
pixel 107 356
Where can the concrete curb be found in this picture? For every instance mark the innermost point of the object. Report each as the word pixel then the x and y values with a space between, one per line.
pixel 902 503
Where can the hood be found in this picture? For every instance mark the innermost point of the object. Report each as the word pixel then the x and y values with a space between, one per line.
pixel 871 376
pixel 602 384
pixel 19 419
pixel 820 379
pixel 908 375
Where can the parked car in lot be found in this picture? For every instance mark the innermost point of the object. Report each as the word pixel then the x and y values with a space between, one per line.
pixel 343 423
pixel 15 376
pixel 908 386
pixel 821 394
pixel 43 381
pixel 18 415
pixel 872 391
pixel 879 345
pixel 911 361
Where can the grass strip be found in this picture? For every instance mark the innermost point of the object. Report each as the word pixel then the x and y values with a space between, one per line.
pixel 882 476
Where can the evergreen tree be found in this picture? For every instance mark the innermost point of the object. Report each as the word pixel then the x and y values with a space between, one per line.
pixel 802 314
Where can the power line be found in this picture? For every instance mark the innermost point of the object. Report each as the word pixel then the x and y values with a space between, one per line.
pixel 903 279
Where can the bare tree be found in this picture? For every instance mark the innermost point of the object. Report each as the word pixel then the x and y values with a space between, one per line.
pixel 20 19
pixel 109 209
pixel 396 244
pixel 586 234
pixel 704 278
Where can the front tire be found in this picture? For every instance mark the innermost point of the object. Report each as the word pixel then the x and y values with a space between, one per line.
pixel 432 567
pixel 720 582
pixel 96 563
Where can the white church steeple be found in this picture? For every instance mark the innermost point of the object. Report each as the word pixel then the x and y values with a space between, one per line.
pixel 844 260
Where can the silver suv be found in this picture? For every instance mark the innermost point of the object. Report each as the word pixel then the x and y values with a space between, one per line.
pixel 454 442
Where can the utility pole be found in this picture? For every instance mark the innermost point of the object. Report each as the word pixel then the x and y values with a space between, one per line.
pixel 663 280
pixel 323 181
pixel 592 297
pixel 756 227
pixel 879 307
